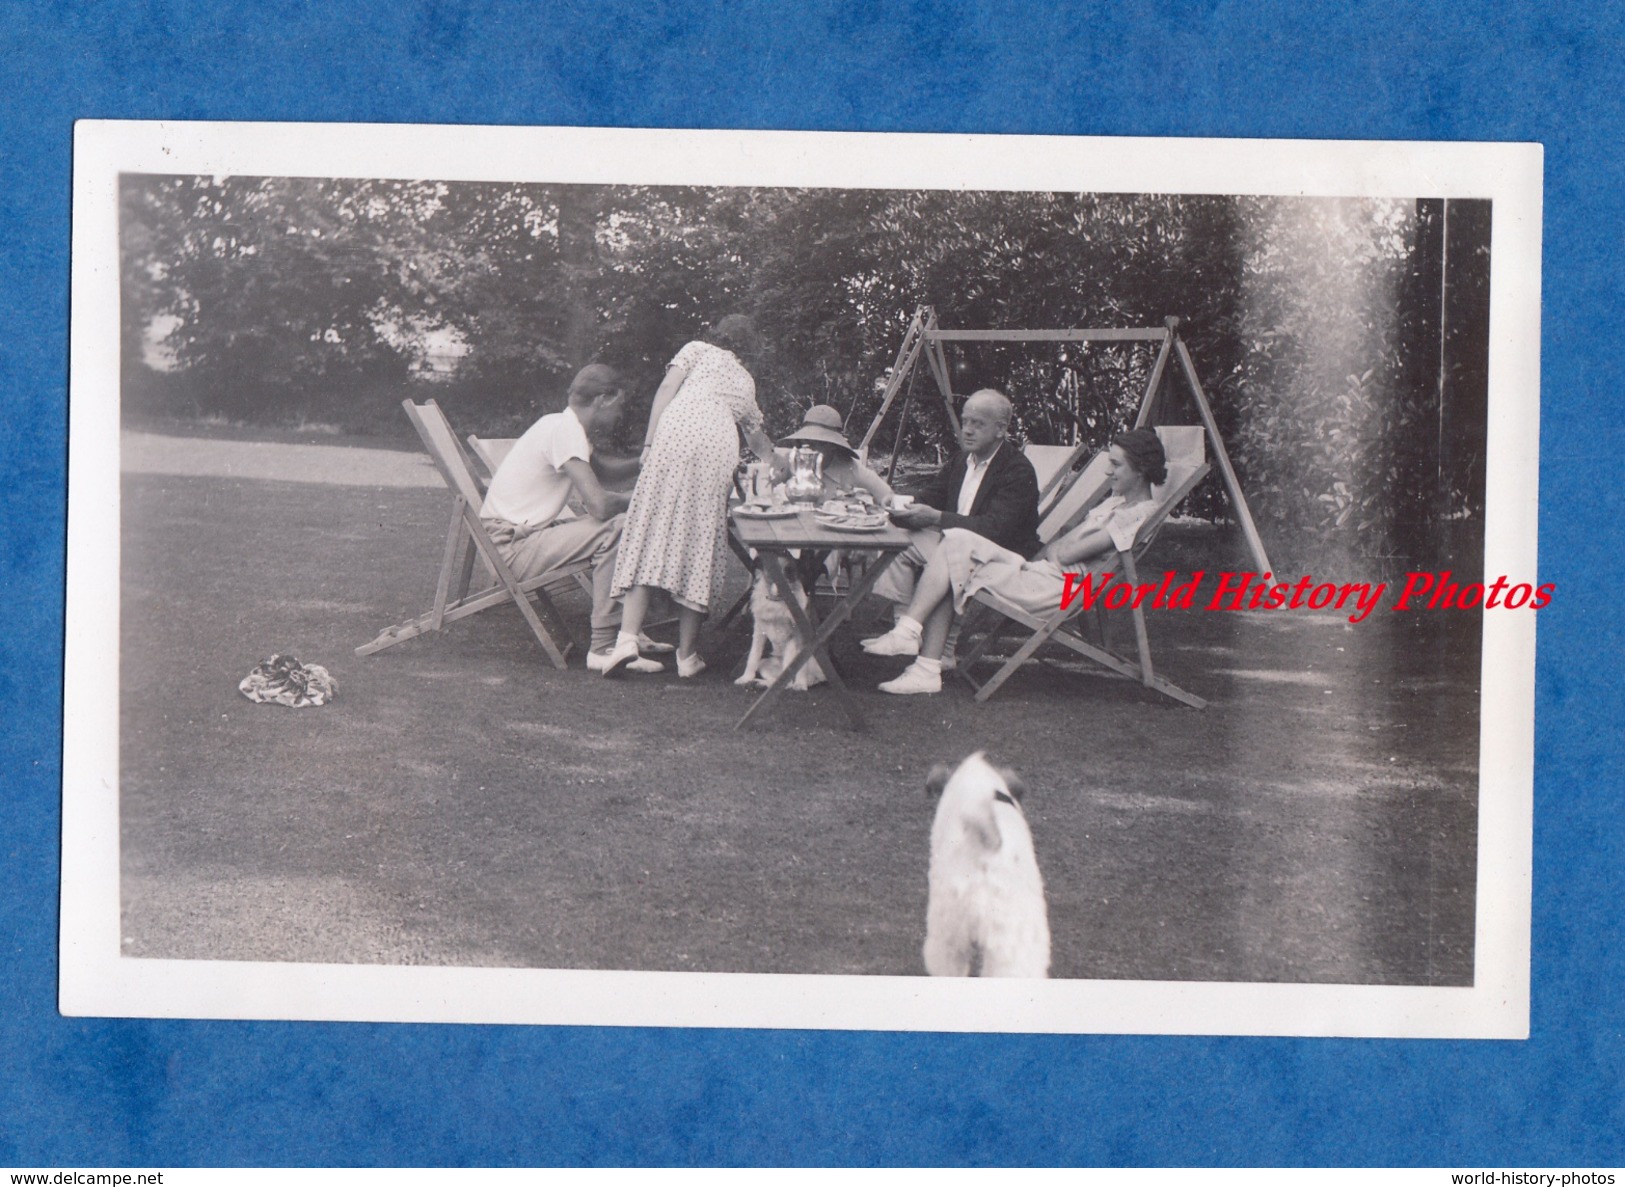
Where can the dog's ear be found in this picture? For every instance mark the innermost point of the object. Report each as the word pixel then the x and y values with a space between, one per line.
pixel 1012 782
pixel 937 780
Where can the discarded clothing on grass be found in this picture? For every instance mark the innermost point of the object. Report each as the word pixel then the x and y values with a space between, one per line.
pixel 283 680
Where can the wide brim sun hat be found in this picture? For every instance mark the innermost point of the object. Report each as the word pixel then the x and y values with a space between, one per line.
pixel 821 424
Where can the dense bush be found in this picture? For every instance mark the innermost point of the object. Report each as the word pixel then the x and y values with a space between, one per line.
pixel 1335 413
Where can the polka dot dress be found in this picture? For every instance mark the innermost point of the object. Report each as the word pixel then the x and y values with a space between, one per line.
pixel 676 533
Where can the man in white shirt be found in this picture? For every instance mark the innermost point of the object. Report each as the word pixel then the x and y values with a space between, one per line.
pixel 525 508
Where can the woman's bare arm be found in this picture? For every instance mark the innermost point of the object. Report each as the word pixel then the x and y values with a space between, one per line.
pixel 762 446
pixel 850 472
pixel 1076 547
pixel 669 387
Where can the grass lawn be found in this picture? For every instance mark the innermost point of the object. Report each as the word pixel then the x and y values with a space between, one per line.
pixel 462 802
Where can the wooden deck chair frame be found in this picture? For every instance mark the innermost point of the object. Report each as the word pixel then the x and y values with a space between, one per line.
pixel 1052 465
pixel 1056 627
pixel 490 452
pixel 467 538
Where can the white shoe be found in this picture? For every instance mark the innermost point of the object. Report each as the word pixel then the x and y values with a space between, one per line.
pixel 949 662
pixel 654 646
pixel 690 665
pixel 913 680
pixel 598 661
pixel 893 642
pixel 611 662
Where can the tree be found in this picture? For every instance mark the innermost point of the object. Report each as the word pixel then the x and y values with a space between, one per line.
pixel 1342 342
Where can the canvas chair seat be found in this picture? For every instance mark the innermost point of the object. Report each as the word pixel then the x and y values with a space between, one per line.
pixel 467 538
pixel 490 452
pixel 1186 468
pixel 1052 465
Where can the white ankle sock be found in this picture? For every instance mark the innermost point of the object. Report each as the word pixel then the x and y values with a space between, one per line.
pixel 931 667
pixel 908 627
pixel 622 639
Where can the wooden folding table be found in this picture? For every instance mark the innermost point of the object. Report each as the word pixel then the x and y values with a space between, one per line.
pixel 772 540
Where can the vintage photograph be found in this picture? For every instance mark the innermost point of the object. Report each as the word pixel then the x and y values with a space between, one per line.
pixel 791 580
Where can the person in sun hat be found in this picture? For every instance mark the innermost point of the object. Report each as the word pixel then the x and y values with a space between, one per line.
pixel 843 472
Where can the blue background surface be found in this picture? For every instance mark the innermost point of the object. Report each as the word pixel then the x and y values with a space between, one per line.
pixel 84 1092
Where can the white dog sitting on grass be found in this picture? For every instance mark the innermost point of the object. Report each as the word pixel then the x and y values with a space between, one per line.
pixel 987 915
pixel 774 640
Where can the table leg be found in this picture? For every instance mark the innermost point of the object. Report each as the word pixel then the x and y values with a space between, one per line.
pixel 748 561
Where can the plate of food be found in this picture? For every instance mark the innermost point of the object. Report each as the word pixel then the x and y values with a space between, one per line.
pixel 866 521
pixel 771 511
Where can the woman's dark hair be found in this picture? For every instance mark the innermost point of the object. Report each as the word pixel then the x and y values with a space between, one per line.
pixel 1145 453
pixel 735 332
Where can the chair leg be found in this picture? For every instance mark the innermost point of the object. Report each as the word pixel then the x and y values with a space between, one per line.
pixel 549 613
pixel 1022 655
pixel 969 660
pixel 466 578
pixel 448 561
pixel 1128 668
pixel 1143 643
pixel 505 576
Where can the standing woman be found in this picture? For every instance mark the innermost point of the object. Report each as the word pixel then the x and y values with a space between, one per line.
pixel 676 534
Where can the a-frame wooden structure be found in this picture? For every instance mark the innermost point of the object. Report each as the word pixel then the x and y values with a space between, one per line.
pixel 925 337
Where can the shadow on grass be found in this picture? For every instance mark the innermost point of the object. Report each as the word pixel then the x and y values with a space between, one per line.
pixel 464 803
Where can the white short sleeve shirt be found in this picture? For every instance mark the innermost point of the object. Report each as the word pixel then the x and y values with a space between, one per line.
pixel 530 487
pixel 1119 520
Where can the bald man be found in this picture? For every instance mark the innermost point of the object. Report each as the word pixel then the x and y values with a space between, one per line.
pixel 989 488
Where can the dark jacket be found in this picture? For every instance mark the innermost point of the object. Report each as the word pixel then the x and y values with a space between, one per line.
pixel 1006 506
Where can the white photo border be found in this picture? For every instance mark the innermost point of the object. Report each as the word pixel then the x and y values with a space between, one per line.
pixel 96 980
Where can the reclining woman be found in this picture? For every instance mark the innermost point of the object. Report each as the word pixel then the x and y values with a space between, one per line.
pixel 967 563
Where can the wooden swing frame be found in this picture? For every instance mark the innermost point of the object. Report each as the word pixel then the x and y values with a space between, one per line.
pixel 925 337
